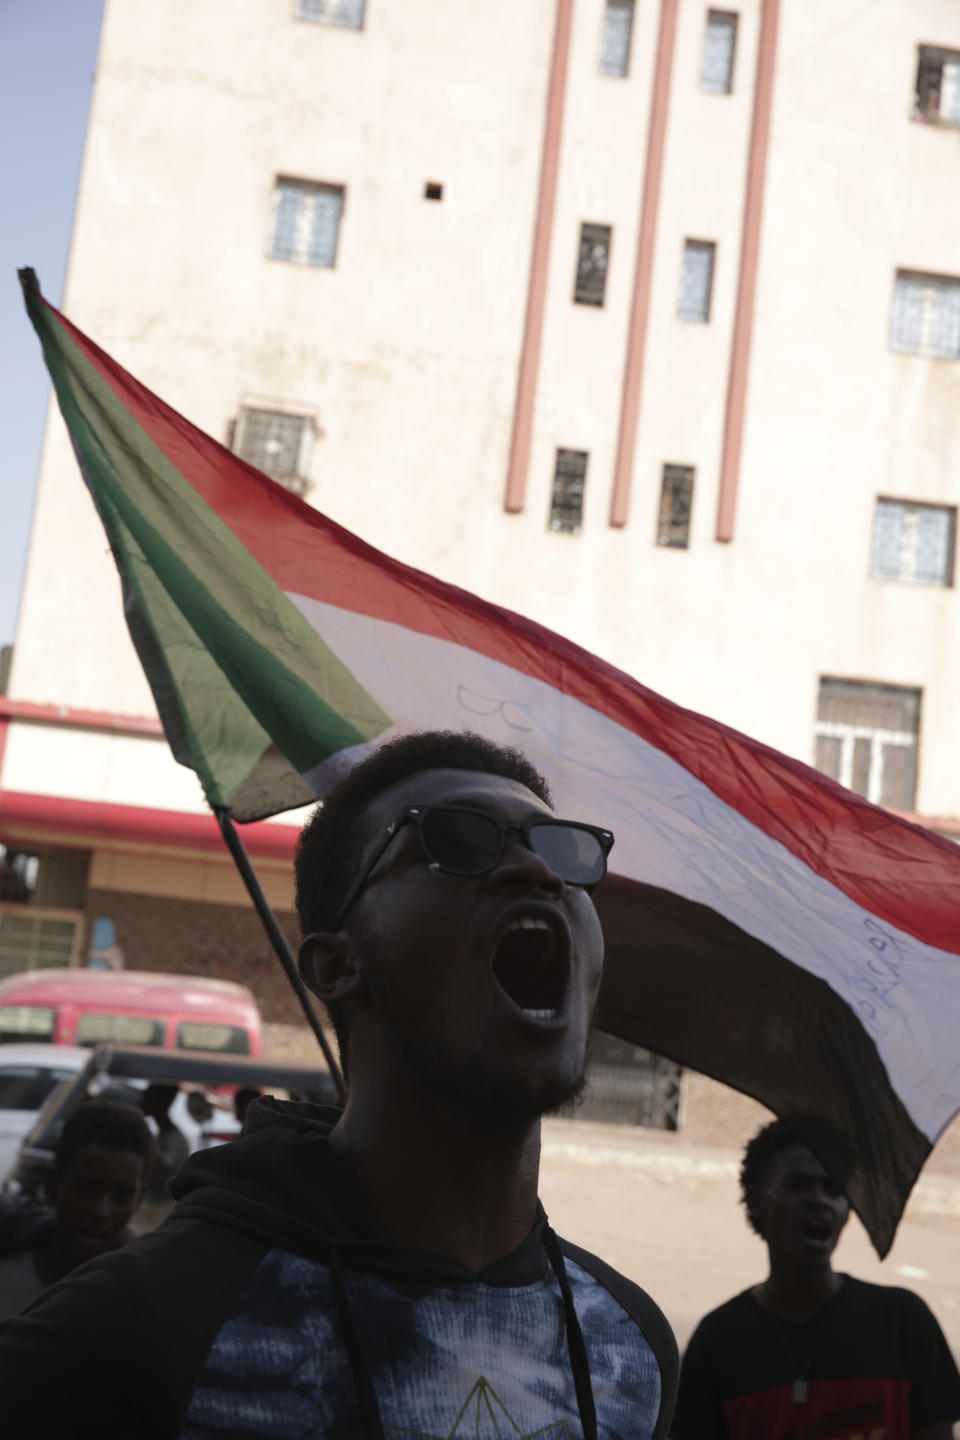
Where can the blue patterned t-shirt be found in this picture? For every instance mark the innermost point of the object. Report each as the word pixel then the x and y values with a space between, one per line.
pixel 446 1359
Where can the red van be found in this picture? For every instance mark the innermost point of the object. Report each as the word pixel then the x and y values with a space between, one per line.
pixel 132 1007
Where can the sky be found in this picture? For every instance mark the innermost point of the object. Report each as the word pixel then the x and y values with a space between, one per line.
pixel 48 53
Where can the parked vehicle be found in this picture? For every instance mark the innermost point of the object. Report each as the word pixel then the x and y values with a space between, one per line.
pixel 116 1073
pixel 133 1007
pixel 28 1074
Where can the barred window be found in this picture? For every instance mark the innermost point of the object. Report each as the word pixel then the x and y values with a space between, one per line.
pixel 306 222
pixel 926 315
pixel 913 542
pixel 719 49
pixel 34 937
pixel 937 96
pixel 593 260
pixel 696 280
pixel 617 30
pixel 867 737
pixel 676 504
pixel 569 482
pixel 278 443
pixel 348 14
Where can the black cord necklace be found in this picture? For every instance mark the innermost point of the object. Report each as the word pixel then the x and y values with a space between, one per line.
pixel 800 1387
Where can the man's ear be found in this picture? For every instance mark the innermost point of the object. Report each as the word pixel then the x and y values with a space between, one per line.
pixel 330 966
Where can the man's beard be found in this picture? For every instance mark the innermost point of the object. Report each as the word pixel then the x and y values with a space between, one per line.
pixel 491 1095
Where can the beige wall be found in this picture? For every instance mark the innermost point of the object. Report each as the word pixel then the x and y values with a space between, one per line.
pixel 146 870
pixel 408 350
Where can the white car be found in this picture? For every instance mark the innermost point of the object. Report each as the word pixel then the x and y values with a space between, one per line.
pixel 28 1073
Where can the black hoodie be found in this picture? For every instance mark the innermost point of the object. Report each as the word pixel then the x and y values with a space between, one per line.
pixel 268 1305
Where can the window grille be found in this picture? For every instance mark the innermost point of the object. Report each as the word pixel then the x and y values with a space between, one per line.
pixel 937 97
pixel 719 49
pixel 593 260
pixel 913 542
pixel 306 223
pixel 676 504
pixel 347 14
pixel 569 482
pixel 33 937
pixel 867 737
pixel 926 315
pixel 696 280
pixel 279 444
pixel 617 30
pixel 628 1085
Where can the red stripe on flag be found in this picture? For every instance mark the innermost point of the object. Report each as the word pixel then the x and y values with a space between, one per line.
pixel 900 872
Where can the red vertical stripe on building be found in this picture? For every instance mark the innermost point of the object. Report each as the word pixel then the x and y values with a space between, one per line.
pixel 643 270
pixel 749 260
pixel 539 263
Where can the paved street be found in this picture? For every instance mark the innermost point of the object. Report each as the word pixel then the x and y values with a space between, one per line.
pixel 667 1215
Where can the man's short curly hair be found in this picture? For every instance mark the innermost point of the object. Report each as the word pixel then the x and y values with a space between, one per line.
pixel 331 844
pixel 106 1123
pixel 818 1135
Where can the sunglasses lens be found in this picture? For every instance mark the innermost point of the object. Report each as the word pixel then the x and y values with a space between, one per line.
pixel 461 842
pixel 576 855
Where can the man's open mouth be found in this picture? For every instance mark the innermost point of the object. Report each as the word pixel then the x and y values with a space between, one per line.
pixel 816 1230
pixel 531 968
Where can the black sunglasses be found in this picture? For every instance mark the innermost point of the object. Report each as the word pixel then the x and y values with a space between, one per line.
pixel 460 841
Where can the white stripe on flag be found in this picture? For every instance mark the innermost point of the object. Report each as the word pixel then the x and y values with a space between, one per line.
pixel 673 832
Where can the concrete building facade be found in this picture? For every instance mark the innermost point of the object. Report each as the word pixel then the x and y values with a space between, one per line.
pixel 642 319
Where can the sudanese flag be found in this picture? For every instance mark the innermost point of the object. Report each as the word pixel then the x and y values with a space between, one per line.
pixel 763 925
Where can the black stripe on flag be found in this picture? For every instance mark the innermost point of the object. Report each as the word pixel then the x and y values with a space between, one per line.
pixel 690 985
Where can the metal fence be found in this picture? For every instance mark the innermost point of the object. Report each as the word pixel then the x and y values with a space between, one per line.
pixel 647 1095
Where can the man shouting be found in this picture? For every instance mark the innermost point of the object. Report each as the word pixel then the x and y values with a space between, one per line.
pixel 387 1270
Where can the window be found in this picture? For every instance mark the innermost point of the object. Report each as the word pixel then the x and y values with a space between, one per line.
pixel 926 315
pixel 120 1030
pixel 348 14
pixel 696 280
pixel 592 262
pixel 278 443
pixel 913 542
pixel 867 736
pixel 27 1022
pixel 25 1087
pixel 199 1035
pixel 433 190
pixel 719 48
pixel 33 937
pixel 937 98
pixel 569 480
pixel 306 223
pixel 676 503
pixel 617 28
pixel 18 874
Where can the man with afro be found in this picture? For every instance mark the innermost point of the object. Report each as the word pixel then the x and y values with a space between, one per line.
pixel 810 1352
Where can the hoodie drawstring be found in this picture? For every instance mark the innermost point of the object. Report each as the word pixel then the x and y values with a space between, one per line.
pixel 576 1346
pixel 362 1384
